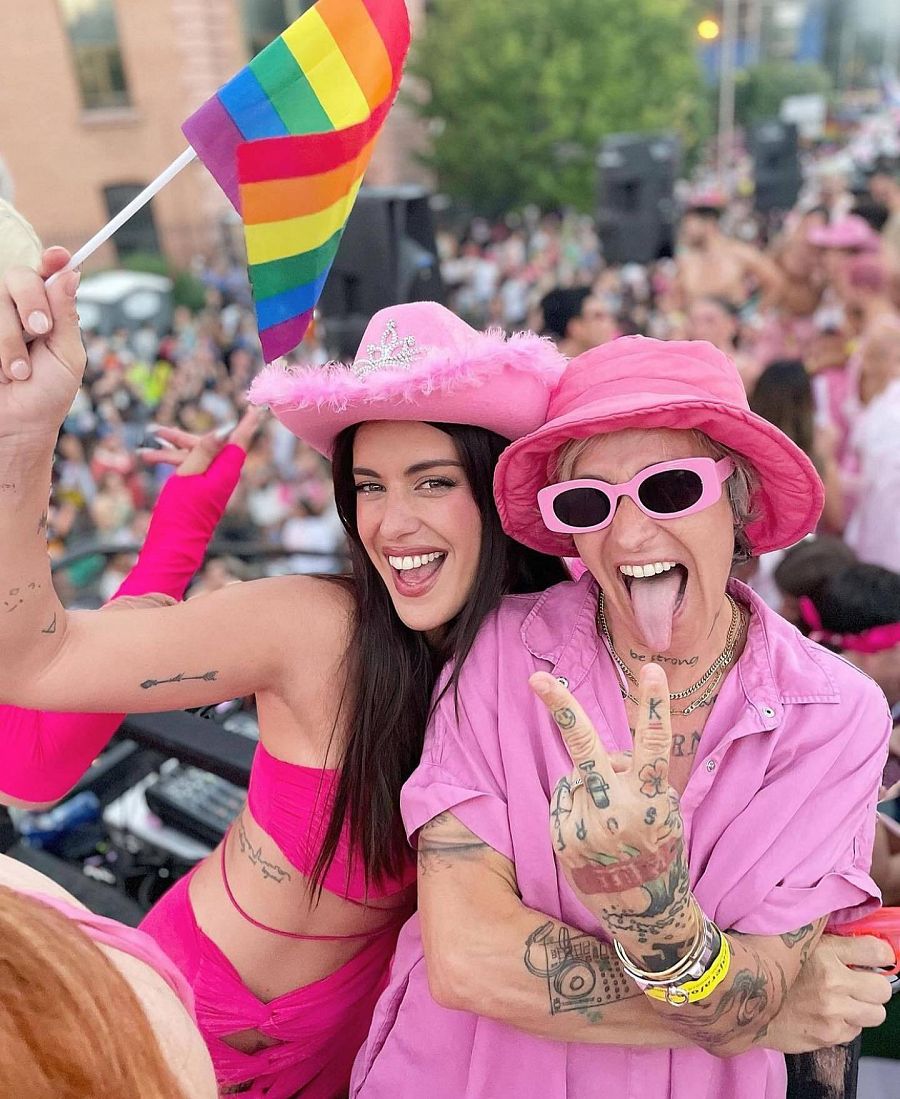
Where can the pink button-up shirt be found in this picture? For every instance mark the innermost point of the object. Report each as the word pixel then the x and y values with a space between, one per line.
pixel 779 813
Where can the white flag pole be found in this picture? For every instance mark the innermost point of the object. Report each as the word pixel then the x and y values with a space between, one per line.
pixel 124 215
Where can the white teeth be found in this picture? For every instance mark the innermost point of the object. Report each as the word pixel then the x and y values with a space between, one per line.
pixel 404 564
pixel 646 570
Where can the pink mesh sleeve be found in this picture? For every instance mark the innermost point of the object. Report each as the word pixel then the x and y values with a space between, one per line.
pixel 42 754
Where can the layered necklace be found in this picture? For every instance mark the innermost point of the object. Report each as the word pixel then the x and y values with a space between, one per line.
pixel 710 679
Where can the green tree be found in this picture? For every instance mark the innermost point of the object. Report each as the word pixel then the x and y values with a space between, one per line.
pixel 760 89
pixel 520 92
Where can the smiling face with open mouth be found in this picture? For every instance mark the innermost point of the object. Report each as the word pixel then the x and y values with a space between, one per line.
pixel 663 579
pixel 417 519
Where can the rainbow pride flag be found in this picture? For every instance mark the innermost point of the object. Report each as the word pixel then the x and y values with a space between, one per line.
pixel 289 139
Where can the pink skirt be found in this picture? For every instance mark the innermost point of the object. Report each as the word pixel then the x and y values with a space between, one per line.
pixel 318 1028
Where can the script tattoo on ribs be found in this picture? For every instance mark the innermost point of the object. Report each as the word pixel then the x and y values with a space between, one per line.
pixel 269 870
pixel 580 971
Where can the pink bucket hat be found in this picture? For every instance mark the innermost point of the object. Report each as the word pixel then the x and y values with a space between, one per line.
pixel 639 383
pixel 852 233
pixel 418 362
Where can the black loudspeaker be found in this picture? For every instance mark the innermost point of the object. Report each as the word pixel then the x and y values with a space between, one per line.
pixel 776 165
pixel 636 212
pixel 387 256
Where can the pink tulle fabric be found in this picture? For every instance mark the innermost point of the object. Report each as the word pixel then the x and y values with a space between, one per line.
pixel 43 754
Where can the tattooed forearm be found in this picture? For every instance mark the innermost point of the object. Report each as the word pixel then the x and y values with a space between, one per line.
pixel 805 936
pixel 792 938
pixel 581 973
pixel 206 677
pixel 443 842
pixel 269 870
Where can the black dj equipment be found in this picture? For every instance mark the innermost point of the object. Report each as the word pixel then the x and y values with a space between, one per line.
pixel 636 211
pixel 776 165
pixel 195 802
pixel 387 256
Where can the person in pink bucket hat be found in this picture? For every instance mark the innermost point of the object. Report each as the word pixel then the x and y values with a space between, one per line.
pixel 285 933
pixel 848 234
pixel 626 871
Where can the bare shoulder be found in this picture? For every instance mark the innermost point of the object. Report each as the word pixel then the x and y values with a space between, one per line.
pixel 179 1040
pixel 315 612
pixel 16 875
pixel 312 607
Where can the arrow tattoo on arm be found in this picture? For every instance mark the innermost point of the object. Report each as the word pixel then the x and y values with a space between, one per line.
pixel 206 677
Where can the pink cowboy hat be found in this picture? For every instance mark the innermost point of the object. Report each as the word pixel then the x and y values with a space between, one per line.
pixel 639 383
pixel 417 362
pixel 852 233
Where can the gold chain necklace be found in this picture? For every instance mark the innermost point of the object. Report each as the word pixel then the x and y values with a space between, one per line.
pixel 711 678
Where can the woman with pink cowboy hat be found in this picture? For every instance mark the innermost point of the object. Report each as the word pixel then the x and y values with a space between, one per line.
pixel 624 869
pixel 286 931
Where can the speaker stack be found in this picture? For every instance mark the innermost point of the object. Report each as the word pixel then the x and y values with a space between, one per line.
pixel 776 165
pixel 636 210
pixel 387 256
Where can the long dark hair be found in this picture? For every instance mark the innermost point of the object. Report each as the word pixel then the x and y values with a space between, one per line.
pixel 783 395
pixel 391 670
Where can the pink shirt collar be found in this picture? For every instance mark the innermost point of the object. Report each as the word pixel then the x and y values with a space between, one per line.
pixel 771 671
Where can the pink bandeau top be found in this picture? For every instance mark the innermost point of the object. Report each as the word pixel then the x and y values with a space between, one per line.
pixel 129 940
pixel 292 804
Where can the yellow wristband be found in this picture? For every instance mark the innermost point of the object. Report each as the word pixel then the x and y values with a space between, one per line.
pixel 692 991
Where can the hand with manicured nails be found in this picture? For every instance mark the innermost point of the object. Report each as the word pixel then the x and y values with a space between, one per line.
pixel 38 381
pixel 193 454
pixel 615 823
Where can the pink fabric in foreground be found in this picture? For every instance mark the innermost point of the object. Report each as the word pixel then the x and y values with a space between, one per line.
pixel 293 805
pixel 129 940
pixel 43 754
pixel 779 817
pixel 318 1028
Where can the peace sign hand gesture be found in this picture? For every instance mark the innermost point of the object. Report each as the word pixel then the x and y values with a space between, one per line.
pixel 618 833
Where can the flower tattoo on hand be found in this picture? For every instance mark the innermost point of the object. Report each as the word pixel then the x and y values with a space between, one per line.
pixel 653 778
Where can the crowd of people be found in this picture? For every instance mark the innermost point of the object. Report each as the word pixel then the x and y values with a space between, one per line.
pixel 192 378
pixel 706 497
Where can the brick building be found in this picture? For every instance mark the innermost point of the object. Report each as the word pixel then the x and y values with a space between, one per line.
pixel 92 95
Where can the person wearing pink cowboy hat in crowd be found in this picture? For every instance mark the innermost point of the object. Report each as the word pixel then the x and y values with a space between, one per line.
pixel 624 870
pixel 285 933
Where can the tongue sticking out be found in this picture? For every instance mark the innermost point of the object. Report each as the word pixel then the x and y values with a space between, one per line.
pixel 654 602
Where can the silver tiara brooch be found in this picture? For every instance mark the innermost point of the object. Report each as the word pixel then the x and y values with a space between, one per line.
pixel 393 352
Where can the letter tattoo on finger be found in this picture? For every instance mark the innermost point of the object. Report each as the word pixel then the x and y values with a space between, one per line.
pixel 581 830
pixel 653 713
pixel 650 816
